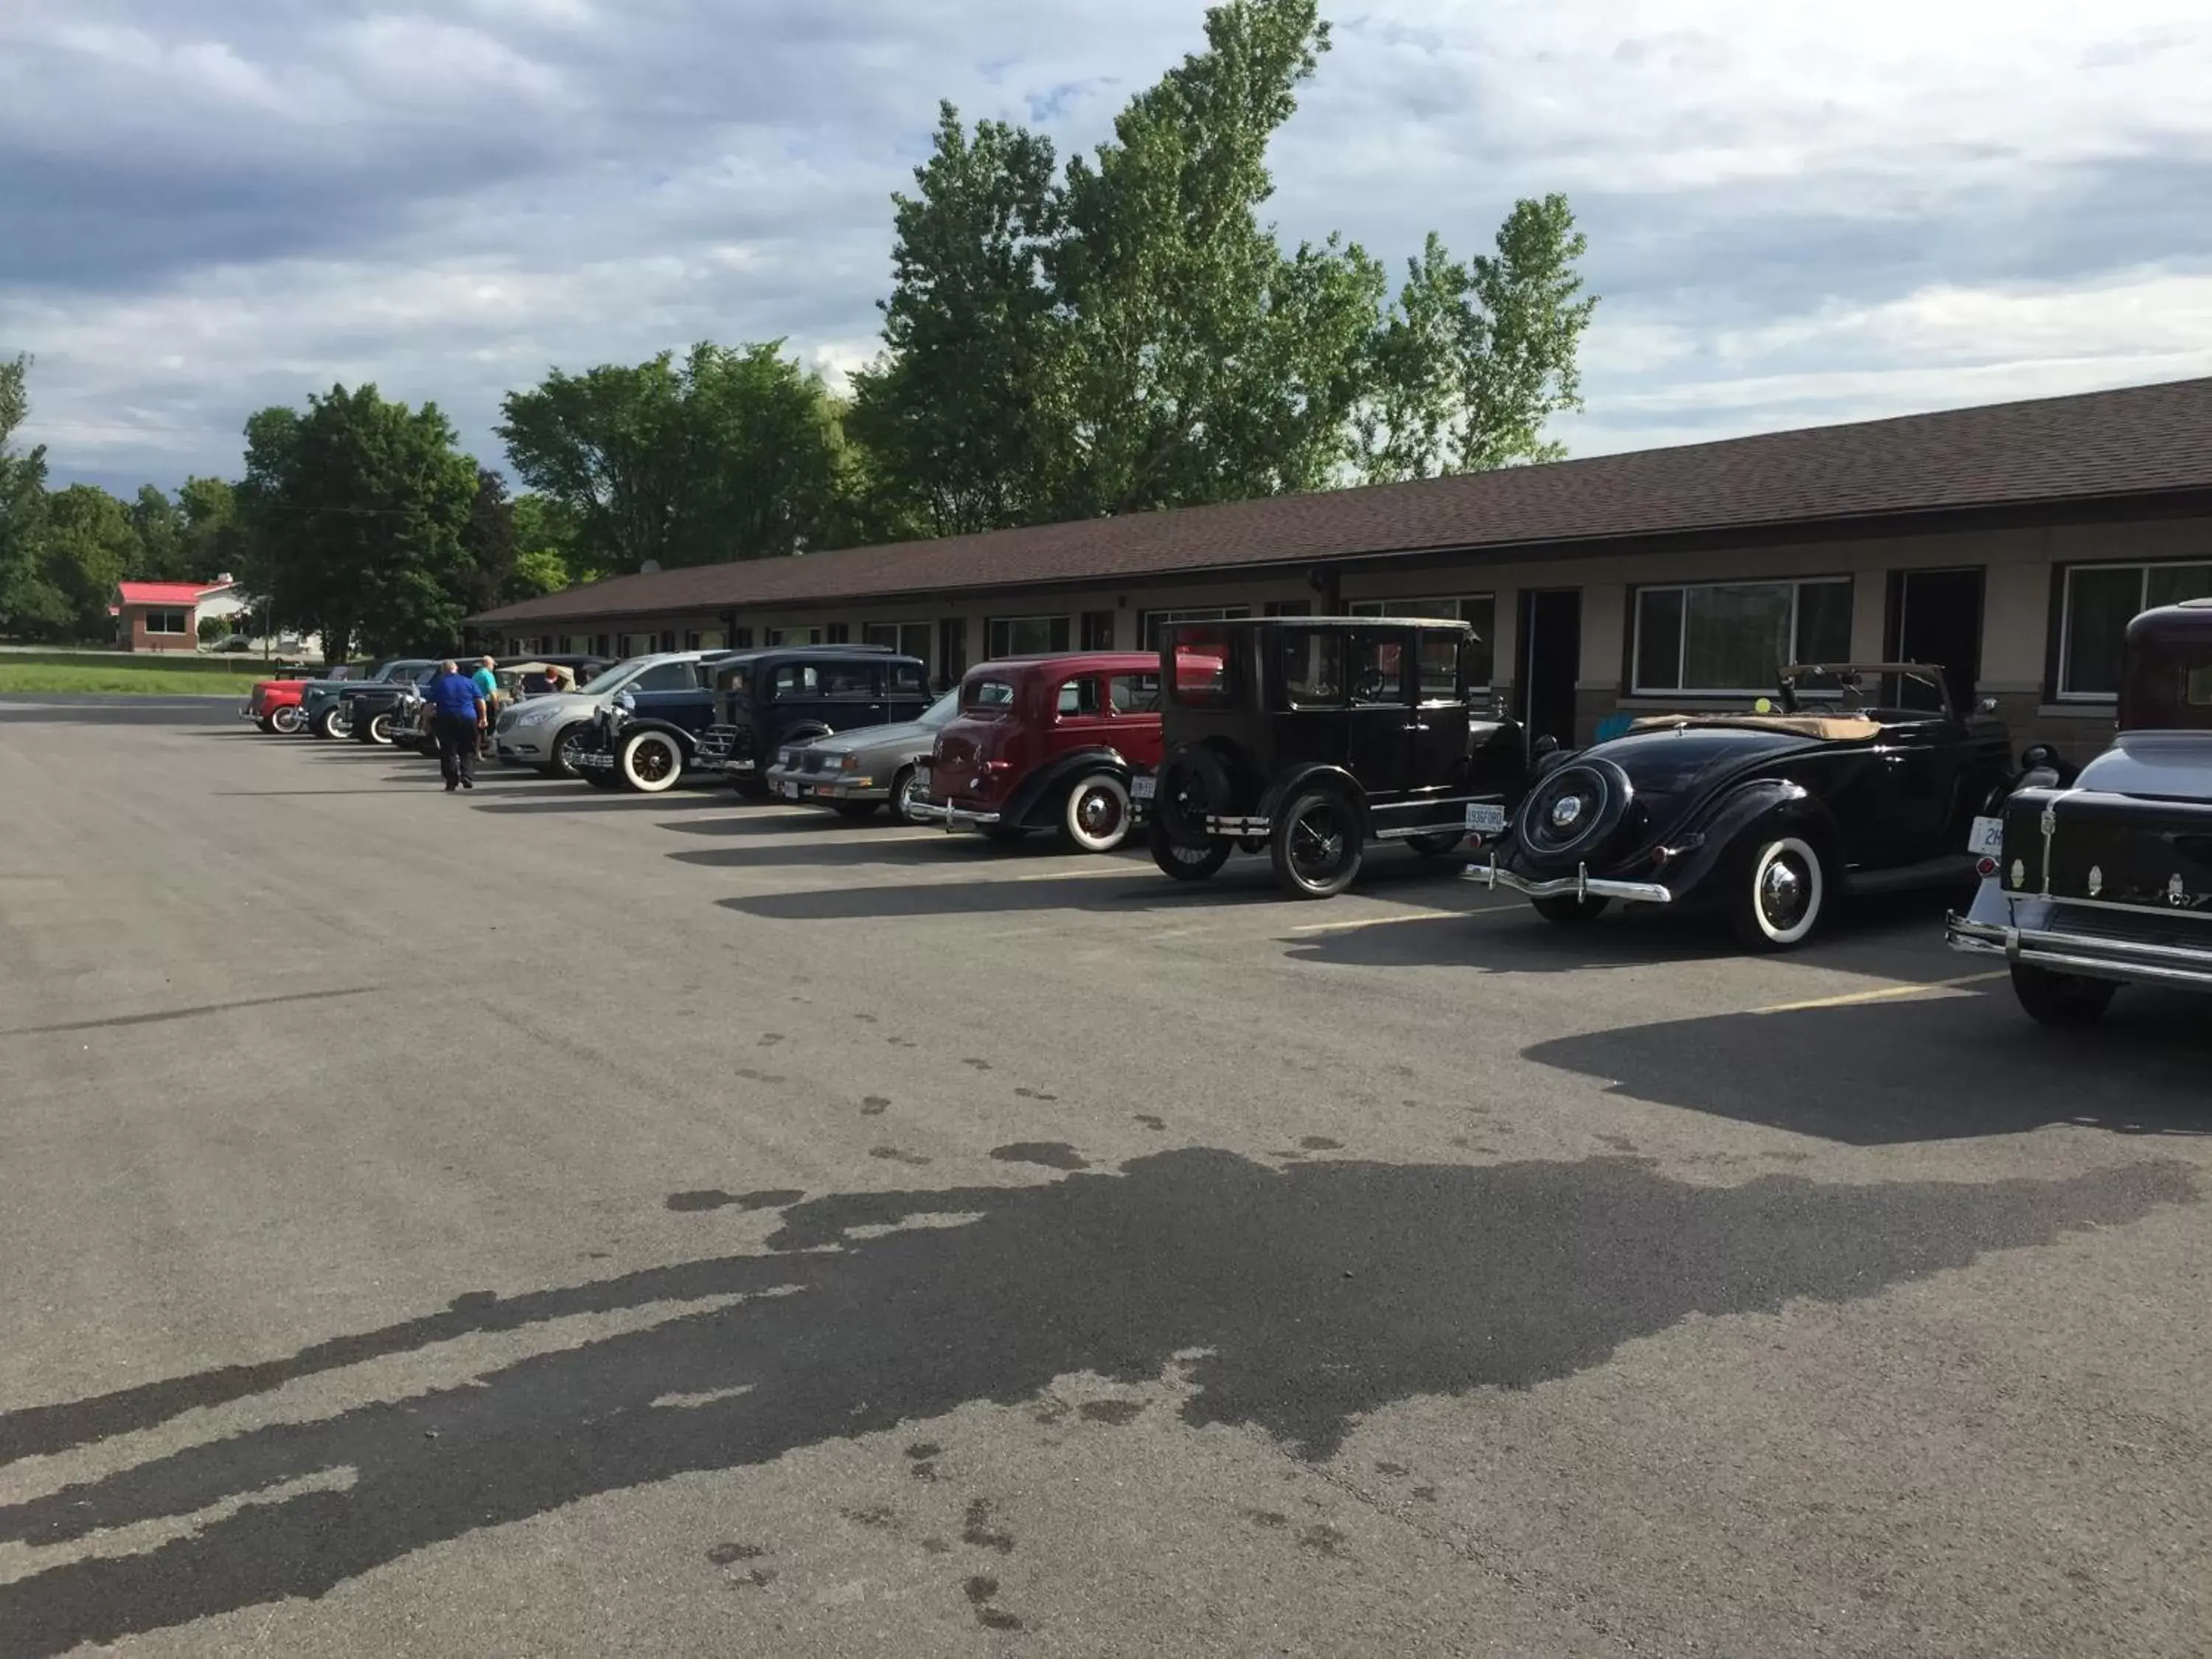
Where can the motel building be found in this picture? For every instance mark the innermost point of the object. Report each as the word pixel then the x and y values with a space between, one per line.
pixel 2010 544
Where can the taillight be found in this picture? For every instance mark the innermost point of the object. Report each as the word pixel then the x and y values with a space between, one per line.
pixel 1985 868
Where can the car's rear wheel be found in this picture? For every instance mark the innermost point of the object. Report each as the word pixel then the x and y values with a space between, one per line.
pixel 1318 845
pixel 1566 910
pixel 287 720
pixel 565 741
pixel 332 723
pixel 651 763
pixel 1436 846
pixel 1094 816
pixel 1184 860
pixel 380 729
pixel 1779 894
pixel 2051 999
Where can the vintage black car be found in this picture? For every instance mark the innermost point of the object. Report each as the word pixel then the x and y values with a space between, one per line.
pixel 766 700
pixel 2106 878
pixel 1853 778
pixel 377 711
pixel 1313 736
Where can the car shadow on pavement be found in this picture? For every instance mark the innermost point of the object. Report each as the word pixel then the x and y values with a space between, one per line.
pixel 582 798
pixel 773 820
pixel 1940 1068
pixel 1406 1281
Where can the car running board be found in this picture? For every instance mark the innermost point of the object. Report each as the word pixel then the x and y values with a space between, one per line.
pixel 1952 869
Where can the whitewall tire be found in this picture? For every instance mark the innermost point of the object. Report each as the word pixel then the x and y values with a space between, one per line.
pixel 1781 896
pixel 651 763
pixel 1095 818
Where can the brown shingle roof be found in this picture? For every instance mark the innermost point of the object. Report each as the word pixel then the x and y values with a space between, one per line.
pixel 2136 440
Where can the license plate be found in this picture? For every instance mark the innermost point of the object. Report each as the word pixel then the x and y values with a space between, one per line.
pixel 1141 788
pixel 1987 839
pixel 1485 818
pixel 788 791
pixel 825 792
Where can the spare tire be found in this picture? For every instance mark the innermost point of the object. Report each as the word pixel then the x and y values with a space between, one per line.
pixel 1573 812
pixel 1191 786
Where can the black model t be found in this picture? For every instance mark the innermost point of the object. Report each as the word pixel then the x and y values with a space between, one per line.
pixel 1313 736
pixel 765 700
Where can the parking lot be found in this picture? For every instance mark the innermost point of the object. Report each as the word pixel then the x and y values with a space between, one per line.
pixel 542 1221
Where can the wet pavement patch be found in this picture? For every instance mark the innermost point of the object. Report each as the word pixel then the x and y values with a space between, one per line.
pixel 1052 1154
pixel 775 1197
pixel 1497 1275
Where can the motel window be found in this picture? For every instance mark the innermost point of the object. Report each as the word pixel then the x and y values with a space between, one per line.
pixel 1479 610
pixel 1153 623
pixel 167 622
pixel 1026 636
pixel 741 639
pixel 692 639
pixel 2100 601
pixel 839 634
pixel 908 639
pixel 1729 639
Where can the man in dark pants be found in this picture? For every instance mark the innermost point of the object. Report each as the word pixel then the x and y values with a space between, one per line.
pixel 457 714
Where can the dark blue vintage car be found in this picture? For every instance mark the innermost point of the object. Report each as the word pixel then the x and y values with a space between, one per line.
pixel 2103 878
pixel 1854 778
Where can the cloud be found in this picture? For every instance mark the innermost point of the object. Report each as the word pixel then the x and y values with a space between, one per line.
pixel 1795 213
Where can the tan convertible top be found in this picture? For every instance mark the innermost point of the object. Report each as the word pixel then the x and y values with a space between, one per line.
pixel 1828 728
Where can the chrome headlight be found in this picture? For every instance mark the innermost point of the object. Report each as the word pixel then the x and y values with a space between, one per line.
pixel 535 716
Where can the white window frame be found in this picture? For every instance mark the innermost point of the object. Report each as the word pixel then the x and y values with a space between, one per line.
pixel 991 624
pixel 1149 621
pixel 1796 585
pixel 1443 607
pixel 164 612
pixel 2143 567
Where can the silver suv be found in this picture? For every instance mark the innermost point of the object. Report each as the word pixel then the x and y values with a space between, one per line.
pixel 542 731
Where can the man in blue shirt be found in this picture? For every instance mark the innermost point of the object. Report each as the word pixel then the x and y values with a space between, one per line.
pixel 457 712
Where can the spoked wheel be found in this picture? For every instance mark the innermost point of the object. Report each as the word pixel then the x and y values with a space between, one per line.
pixel 1780 895
pixel 288 719
pixel 1184 860
pixel 1566 910
pixel 380 729
pixel 332 723
pixel 651 763
pixel 1318 845
pixel 1096 818
pixel 2051 999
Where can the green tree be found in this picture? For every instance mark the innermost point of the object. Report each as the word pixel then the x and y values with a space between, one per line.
pixel 29 602
pixel 546 543
pixel 359 513
pixel 87 545
pixel 731 454
pixel 1474 359
pixel 159 524
pixel 196 536
pixel 961 414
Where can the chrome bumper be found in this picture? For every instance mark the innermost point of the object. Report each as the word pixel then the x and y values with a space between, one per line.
pixel 825 786
pixel 951 817
pixel 1578 885
pixel 2092 955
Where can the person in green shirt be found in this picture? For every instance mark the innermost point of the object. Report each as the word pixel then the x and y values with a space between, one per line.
pixel 487 684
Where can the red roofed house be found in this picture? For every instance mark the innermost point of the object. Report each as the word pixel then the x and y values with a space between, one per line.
pixel 165 616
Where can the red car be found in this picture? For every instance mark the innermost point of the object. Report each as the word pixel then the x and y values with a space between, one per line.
pixel 274 705
pixel 1046 743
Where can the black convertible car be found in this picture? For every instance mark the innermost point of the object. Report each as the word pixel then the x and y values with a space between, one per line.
pixel 1837 784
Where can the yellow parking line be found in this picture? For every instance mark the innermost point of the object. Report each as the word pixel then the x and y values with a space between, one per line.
pixel 1886 994
pixel 1392 921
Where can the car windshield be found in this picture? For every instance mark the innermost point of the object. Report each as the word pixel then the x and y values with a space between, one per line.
pixel 940 711
pixel 615 675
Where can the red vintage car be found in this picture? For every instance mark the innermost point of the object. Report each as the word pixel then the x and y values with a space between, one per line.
pixel 1046 743
pixel 274 705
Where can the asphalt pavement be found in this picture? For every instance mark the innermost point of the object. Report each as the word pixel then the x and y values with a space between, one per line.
pixel 545 1222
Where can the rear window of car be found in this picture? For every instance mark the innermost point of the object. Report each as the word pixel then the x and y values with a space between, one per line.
pixel 793 679
pixel 986 696
pixel 1203 667
pixel 908 679
pixel 849 679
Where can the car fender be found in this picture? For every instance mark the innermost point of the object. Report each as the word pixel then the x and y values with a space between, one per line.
pixel 1046 783
pixel 687 741
pixel 1764 806
pixel 1288 785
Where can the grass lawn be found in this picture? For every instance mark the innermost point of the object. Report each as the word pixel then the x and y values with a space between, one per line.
pixel 150 681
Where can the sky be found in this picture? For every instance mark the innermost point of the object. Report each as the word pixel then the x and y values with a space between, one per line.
pixel 1797 213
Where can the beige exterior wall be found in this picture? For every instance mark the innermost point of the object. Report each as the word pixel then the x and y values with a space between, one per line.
pixel 2017 566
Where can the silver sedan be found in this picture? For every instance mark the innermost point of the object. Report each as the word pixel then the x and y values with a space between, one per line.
pixel 857 771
